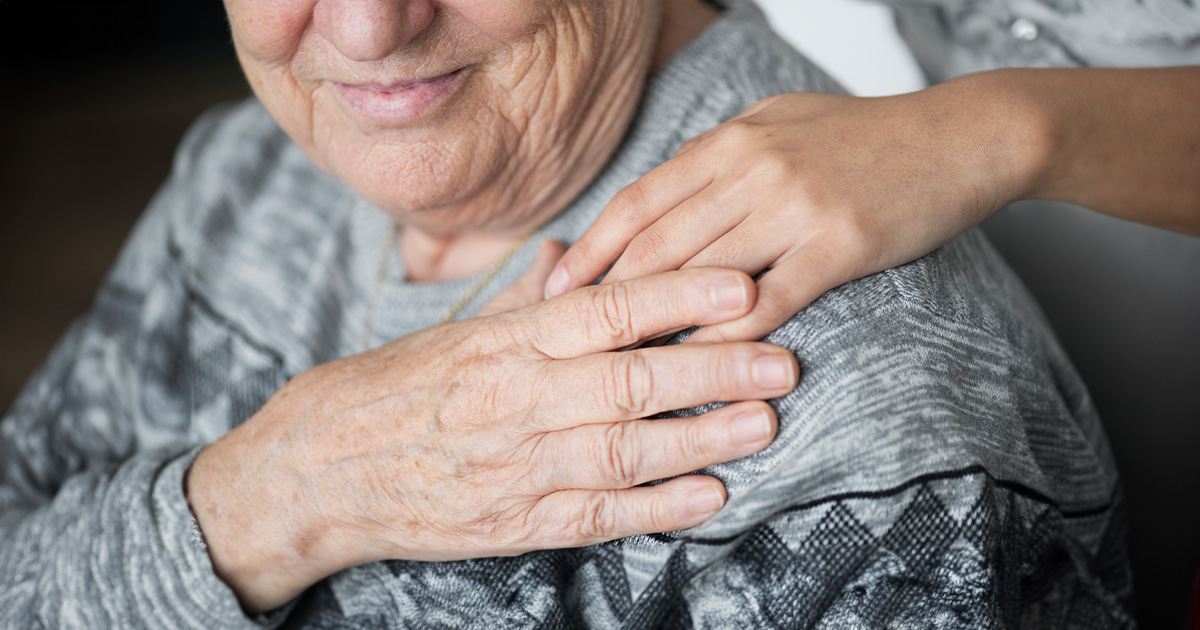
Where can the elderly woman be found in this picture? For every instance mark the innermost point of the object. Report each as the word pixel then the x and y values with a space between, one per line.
pixel 280 410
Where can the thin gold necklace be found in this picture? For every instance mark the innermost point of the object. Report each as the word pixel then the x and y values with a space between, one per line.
pixel 385 260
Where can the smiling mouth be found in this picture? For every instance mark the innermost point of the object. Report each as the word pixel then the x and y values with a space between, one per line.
pixel 400 103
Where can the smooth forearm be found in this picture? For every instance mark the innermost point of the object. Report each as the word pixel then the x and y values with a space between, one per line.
pixel 1125 142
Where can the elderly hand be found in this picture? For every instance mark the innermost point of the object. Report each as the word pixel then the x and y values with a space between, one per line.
pixel 493 436
pixel 820 188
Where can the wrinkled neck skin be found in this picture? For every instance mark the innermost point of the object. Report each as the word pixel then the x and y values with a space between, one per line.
pixel 435 248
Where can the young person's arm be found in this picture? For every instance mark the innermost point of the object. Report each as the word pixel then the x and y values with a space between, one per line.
pixel 822 189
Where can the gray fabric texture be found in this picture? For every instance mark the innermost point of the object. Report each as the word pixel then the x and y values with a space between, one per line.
pixel 1124 297
pixel 940 464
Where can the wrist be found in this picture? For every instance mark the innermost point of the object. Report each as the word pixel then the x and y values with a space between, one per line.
pixel 1016 131
pixel 263 548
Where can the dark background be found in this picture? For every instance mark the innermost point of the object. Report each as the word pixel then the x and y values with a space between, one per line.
pixel 96 98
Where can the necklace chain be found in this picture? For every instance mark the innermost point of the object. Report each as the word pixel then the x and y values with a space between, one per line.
pixel 487 277
pixel 393 236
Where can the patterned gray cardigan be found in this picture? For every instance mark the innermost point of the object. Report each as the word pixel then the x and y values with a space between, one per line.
pixel 940 464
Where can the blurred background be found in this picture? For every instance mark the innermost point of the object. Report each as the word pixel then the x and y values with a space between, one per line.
pixel 92 114
pixel 88 124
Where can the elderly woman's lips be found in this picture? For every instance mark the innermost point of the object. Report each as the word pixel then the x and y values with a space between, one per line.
pixel 397 103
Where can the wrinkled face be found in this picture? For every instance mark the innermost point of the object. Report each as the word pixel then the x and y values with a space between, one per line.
pixel 451 114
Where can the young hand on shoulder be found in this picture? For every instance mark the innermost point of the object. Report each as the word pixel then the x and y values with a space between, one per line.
pixel 821 189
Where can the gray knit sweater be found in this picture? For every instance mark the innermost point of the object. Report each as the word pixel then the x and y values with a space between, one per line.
pixel 940 464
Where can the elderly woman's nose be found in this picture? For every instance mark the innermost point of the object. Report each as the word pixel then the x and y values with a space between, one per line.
pixel 366 30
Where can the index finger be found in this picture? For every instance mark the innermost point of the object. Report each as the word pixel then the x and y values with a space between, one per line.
pixel 634 209
pixel 608 317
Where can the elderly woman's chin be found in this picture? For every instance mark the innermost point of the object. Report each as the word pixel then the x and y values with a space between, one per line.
pixel 457 160
pixel 439 188
pixel 437 177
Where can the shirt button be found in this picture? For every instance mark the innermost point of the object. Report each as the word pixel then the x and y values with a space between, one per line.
pixel 1024 29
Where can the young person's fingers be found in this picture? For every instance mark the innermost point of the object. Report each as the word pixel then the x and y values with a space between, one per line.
pixel 678 237
pixel 708 135
pixel 749 247
pixel 786 289
pixel 633 209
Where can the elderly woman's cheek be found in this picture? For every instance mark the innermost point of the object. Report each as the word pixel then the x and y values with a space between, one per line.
pixel 508 20
pixel 269 31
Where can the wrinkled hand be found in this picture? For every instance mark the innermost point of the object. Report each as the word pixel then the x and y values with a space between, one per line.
pixel 493 436
pixel 819 188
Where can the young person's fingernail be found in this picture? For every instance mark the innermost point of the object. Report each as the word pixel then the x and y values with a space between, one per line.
pixel 558 282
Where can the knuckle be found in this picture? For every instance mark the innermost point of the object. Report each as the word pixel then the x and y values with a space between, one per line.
pixel 694 443
pixel 631 203
pixel 495 334
pixel 740 132
pixel 720 373
pixel 629 384
pixel 584 254
pixel 772 306
pixel 686 146
pixel 589 254
pixel 597 518
pixel 616 456
pixel 775 166
pixel 648 251
pixel 612 310
pixel 661 512
pixel 773 315
pixel 516 527
pixel 771 100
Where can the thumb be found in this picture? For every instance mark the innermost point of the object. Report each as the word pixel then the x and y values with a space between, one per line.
pixel 529 288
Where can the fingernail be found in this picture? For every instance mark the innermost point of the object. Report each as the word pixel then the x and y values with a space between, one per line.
pixel 751 427
pixel 705 501
pixel 772 372
pixel 727 294
pixel 558 282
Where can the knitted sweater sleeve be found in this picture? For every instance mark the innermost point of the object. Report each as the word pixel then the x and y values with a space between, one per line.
pixel 95 531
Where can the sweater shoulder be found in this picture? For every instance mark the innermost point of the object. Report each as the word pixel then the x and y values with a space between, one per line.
pixel 943 364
